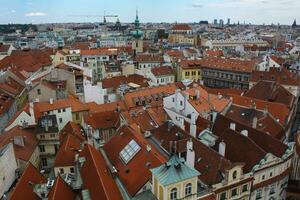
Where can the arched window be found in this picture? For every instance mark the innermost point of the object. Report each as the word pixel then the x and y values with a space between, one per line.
pixel 188 189
pixel 173 194
pixel 234 174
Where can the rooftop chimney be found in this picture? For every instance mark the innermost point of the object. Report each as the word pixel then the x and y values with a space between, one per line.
pixel 254 123
pixel 244 132
pixel 197 94
pixel 193 127
pixel 190 154
pixel 232 126
pixel 222 148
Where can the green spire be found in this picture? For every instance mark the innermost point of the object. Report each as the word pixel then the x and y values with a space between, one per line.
pixel 137 21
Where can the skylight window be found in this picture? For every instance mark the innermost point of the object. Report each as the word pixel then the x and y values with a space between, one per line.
pixel 129 151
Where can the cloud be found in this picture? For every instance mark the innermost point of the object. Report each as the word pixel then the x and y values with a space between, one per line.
pixel 13 11
pixel 36 14
pixel 197 5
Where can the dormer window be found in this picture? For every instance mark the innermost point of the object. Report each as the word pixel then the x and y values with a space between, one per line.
pixel 273 78
pixel 234 175
pixel 188 189
pixel 173 194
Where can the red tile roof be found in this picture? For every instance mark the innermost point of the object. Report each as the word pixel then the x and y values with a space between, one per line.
pixel 271 91
pixel 240 149
pixel 23 187
pixel 96 176
pixel 30 61
pixel 60 190
pixel 66 154
pixel 162 71
pixel 4 48
pixel 103 120
pixel 264 141
pixel 140 117
pixel 214 53
pixel 106 107
pixel 73 129
pixel 81 45
pixel 100 52
pixel 281 76
pixel 149 58
pixel 131 97
pixel 277 110
pixel 238 65
pixel 115 82
pixel 30 142
pixel 207 161
pixel 135 174
pixel 265 122
pixel 183 27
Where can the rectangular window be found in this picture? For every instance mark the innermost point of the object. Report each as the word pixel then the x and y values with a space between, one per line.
pixel 59 111
pixel 72 170
pixel 223 196
pixel 61 170
pixel 52 135
pixel 39 91
pixel 258 194
pixel 272 189
pixel 42 148
pixel 181 103
pixel 44 162
pixel 245 188
pixel 77 116
pixel 234 192
pixel 60 120
pixel 42 136
pixel 64 110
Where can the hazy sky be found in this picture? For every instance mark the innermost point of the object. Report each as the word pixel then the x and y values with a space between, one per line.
pixel 253 11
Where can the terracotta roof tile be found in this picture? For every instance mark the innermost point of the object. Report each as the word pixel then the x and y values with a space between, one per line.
pixel 135 174
pixel 30 174
pixel 271 91
pixel 162 71
pixel 184 27
pixel 282 76
pixel 30 142
pixel 103 120
pixel 277 110
pixel 115 82
pixel 61 190
pixel 96 176
pixel 149 58
pixel 67 151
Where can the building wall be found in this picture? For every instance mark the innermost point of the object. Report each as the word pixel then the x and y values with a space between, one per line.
pixel 7 116
pixel 269 179
pixel 78 116
pixel 225 79
pixel 163 193
pixel 65 169
pixel 190 74
pixel 233 186
pixel 45 94
pixel 62 117
pixel 8 166
pixel 22 118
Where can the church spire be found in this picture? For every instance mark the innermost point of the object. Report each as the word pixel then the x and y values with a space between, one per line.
pixel 137 21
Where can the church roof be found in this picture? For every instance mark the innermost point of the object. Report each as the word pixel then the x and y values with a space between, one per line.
pixel 174 171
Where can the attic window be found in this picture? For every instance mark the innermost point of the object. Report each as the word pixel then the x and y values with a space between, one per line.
pixel 129 151
pixel 273 78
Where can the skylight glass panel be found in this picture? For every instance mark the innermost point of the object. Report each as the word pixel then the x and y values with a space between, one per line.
pixel 129 151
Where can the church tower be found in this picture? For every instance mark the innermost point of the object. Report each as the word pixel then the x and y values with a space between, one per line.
pixel 137 34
